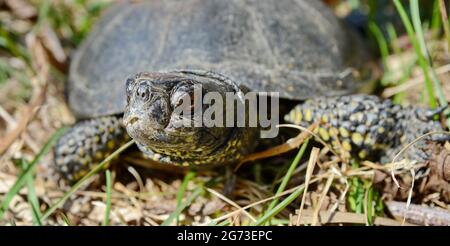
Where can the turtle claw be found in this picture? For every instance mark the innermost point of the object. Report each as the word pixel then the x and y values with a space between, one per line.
pixel 430 113
pixel 441 137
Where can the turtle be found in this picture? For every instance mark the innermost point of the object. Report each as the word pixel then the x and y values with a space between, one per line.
pixel 143 59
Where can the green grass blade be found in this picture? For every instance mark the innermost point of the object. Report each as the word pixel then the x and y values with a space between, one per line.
pixel 78 184
pixel 198 191
pixel 32 198
pixel 356 192
pixel 277 209
pixel 289 173
pixel 382 44
pixel 66 220
pixel 279 222
pixel 406 66
pixel 36 213
pixel 23 176
pixel 417 23
pixel 43 12
pixel 108 197
pixel 422 62
pixel 224 223
pixel 369 202
pixel 393 38
pixel 436 22
pixel 415 13
pixel 189 176
pixel 13 191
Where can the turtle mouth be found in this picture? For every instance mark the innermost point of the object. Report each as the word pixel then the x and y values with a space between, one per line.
pixel 146 127
pixel 129 121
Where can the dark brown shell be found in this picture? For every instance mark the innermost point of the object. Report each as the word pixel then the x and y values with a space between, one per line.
pixel 295 47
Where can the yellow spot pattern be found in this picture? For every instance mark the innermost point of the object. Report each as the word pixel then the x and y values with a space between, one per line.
pixel 344 133
pixel 308 115
pixel 346 145
pixel 362 154
pixel 333 131
pixel 298 116
pixel 324 134
pixel 110 144
pixel 357 138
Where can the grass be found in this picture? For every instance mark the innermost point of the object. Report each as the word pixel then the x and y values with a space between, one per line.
pixel 423 47
pixel 383 46
pixel 288 174
pixel 415 30
pixel 422 62
pixel 108 197
pixel 102 165
pixel 269 214
pixel 444 20
pixel 356 194
pixel 32 198
pixel 24 176
pixel 189 176
pixel 65 219
pixel 195 193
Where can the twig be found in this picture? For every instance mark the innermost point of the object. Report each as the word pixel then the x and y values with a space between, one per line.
pixel 138 178
pixel 389 92
pixel 444 17
pixel 407 147
pixel 42 68
pixel 222 197
pixel 309 170
pixel 321 199
pixel 417 214
pixel 28 114
pixel 326 217
pixel 289 145
pixel 286 192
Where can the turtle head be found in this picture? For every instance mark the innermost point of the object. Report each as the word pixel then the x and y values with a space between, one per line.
pixel 164 114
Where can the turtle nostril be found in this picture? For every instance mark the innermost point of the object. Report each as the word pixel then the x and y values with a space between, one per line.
pixel 143 93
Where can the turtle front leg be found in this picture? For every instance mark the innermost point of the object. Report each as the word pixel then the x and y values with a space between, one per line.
pixel 367 127
pixel 87 143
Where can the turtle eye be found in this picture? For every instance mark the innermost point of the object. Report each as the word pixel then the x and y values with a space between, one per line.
pixel 143 92
pixel 128 85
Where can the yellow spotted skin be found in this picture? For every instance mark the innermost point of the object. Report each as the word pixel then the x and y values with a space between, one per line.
pixel 86 144
pixel 366 126
pixel 233 151
pixel 362 125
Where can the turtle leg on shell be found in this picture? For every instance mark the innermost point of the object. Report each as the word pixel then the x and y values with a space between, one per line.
pixel 368 127
pixel 87 143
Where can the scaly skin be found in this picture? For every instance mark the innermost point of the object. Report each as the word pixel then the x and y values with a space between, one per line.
pixel 368 127
pixel 365 126
pixel 87 143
